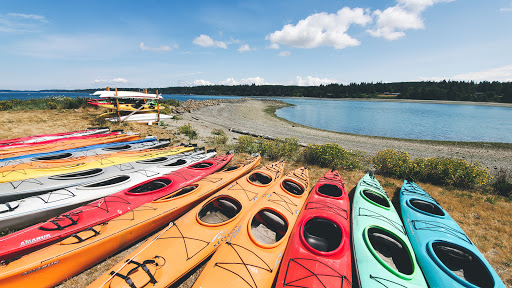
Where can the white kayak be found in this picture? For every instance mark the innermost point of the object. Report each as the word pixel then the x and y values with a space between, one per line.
pixel 14 190
pixel 120 147
pixel 142 117
pixel 28 211
pixel 126 94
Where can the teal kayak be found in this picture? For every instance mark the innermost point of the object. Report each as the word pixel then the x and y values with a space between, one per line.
pixel 383 255
pixel 444 252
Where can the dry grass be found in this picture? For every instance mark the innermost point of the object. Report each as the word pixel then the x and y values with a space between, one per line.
pixel 487 220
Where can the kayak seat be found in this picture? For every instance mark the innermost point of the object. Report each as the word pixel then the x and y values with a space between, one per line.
pixel 427 207
pixel 260 178
pixel 202 165
pixel 391 250
pixel 118 148
pixel 176 163
pixel 268 227
pixel 151 186
pixel 464 264
pixel 220 210
pixel 182 191
pixel 293 187
pixel 376 198
pixel 330 190
pixel 109 182
pixel 78 175
pixel 9 206
pixel 52 157
pixel 231 168
pixel 322 234
pixel 154 160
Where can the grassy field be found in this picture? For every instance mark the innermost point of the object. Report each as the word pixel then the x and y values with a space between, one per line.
pixel 487 219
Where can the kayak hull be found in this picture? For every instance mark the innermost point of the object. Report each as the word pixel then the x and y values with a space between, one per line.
pixel 191 239
pixel 440 243
pixel 252 257
pixel 318 253
pixel 383 255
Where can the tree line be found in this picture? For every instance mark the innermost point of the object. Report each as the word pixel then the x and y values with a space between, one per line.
pixel 484 91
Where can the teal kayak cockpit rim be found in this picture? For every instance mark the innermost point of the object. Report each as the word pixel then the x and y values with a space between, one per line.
pixel 376 198
pixel 406 267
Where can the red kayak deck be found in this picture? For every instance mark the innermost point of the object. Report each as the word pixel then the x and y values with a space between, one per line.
pixel 64 134
pixel 106 208
pixel 318 253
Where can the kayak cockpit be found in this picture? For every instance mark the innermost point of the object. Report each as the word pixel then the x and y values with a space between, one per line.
pixel 150 186
pixel 52 157
pixel 376 199
pixel 153 160
pixel 322 235
pixel 118 148
pixel 259 178
pixel 426 207
pixel 330 190
pixel 219 210
pixel 78 175
pixel 107 182
pixel 268 227
pixel 462 263
pixel 178 162
pixel 292 187
pixel 389 250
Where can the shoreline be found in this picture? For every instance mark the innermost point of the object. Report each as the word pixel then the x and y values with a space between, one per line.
pixel 256 116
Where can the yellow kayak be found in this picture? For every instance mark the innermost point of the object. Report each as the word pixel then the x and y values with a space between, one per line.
pixel 23 174
pixel 192 238
pixel 252 258
pixel 56 263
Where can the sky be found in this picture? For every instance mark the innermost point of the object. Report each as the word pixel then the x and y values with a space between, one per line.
pixel 147 44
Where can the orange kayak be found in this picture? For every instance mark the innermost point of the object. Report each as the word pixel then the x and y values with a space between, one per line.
pixel 188 241
pixel 251 259
pixel 70 144
pixel 56 263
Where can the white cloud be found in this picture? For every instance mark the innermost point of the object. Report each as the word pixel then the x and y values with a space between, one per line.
pixel 207 41
pixel 405 15
pixel 273 46
pixel 322 29
pixel 284 53
pixel 245 48
pixel 312 81
pixel 18 23
pixel 162 48
pixel 507 9
pixel 113 81
pixel 201 82
pixel 245 81
pixel 229 82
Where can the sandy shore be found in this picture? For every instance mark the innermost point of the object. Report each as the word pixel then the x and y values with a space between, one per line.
pixel 249 115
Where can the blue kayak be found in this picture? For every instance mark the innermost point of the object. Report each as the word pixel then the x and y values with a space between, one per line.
pixel 444 252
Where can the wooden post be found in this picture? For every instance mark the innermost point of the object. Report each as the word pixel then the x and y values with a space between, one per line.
pixel 117 108
pixel 108 88
pixel 157 105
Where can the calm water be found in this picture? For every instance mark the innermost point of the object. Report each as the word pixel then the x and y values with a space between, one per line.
pixel 404 120
pixel 388 119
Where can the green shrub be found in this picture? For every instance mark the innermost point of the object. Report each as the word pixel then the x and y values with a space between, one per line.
pixel 287 148
pixel 219 132
pixel 247 144
pixel 188 131
pixel 332 156
pixel 392 163
pixel 435 170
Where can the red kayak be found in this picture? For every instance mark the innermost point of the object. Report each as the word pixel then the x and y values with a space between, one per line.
pixel 35 138
pixel 318 253
pixel 24 144
pixel 106 208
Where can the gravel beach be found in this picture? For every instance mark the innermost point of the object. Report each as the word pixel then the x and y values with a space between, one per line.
pixel 249 115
